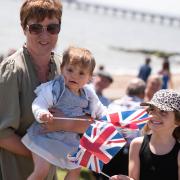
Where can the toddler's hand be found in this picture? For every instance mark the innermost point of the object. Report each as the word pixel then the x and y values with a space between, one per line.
pixel 46 117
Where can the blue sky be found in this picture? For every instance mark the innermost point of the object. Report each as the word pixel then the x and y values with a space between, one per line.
pixel 171 7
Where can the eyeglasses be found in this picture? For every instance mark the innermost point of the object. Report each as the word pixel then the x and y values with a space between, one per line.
pixel 151 109
pixel 39 28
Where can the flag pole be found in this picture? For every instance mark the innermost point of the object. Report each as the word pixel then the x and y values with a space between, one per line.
pixel 75 119
pixel 105 175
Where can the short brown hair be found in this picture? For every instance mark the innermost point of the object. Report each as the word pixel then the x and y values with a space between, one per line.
pixel 40 9
pixel 79 56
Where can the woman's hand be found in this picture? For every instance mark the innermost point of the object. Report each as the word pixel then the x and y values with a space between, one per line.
pixel 49 127
pixel 56 112
pixel 78 125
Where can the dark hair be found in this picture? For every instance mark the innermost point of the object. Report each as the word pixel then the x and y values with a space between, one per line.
pixel 101 67
pixel 166 65
pixel 40 9
pixel 79 56
pixel 148 60
pixel 176 132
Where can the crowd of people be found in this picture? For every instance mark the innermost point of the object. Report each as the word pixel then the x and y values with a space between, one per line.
pixel 39 86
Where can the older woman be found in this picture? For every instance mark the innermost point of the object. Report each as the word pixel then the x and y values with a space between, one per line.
pixel 20 73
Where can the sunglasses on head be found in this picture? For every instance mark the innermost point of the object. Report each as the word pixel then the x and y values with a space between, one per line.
pixel 39 28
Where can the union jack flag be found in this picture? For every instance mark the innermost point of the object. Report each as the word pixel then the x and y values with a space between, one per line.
pixel 84 158
pixel 99 144
pixel 125 119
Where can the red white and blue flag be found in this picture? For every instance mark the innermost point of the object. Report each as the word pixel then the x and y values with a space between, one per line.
pixel 84 158
pixel 99 144
pixel 132 119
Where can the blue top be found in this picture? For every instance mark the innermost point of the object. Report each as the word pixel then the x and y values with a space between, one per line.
pixel 104 100
pixel 165 80
pixel 144 72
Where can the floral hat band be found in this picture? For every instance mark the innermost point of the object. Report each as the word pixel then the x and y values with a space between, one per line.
pixel 165 99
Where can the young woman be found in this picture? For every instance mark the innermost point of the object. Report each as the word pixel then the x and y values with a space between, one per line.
pixel 157 154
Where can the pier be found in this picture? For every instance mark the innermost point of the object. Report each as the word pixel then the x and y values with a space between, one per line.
pixel 125 12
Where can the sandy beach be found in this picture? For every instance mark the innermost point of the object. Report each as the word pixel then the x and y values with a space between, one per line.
pixel 118 87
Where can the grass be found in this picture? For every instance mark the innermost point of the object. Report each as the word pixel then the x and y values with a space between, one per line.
pixel 85 174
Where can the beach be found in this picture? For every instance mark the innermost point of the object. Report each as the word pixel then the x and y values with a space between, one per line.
pixel 118 87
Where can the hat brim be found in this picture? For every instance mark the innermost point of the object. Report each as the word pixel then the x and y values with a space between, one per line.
pixel 159 106
pixel 145 104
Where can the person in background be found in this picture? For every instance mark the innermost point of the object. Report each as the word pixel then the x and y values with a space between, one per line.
pixel 101 81
pixel 166 75
pixel 145 70
pixel 154 84
pixel 131 101
pixel 135 93
pixel 21 73
pixel 70 93
pixel 157 155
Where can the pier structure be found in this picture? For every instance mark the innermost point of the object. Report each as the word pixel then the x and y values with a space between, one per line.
pixel 125 12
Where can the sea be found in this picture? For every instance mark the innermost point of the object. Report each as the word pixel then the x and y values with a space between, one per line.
pixel 99 32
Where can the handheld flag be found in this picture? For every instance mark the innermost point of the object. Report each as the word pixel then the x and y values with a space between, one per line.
pixel 129 123
pixel 99 144
pixel 133 118
pixel 86 159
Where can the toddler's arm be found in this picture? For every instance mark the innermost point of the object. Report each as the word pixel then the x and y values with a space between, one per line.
pixel 42 103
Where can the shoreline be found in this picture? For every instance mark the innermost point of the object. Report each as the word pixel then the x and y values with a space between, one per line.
pixel 118 87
